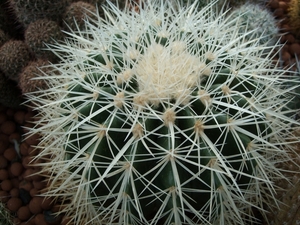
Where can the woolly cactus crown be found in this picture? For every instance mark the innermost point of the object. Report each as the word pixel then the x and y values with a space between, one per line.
pixel 255 17
pixel 164 115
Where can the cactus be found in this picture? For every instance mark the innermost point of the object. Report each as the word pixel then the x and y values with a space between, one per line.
pixel 165 115
pixel 30 77
pixel 255 17
pixel 76 13
pixel 29 11
pixel 14 56
pixel 40 32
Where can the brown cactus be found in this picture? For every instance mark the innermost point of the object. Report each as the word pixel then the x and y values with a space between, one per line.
pixel 34 69
pixel 14 56
pixel 42 32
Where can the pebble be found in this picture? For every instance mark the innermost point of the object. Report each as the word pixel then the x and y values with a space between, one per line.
pixel 4 196
pixel 6 185
pixel 39 185
pixel 16 169
pixel 294 49
pixel 13 204
pixel 273 4
pixel 40 219
pixel 284 6
pixel 19 117
pixel 35 205
pixel 3 162
pixel 10 154
pixel 26 185
pixel 3 174
pixel 3 145
pixel 14 192
pixel 24 148
pixel 8 127
pixel 24 213
pixel 47 203
pixel 32 140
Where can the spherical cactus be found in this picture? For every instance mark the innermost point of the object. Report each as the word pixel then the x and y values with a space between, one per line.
pixel 76 13
pixel 29 11
pixel 14 56
pixel 255 17
pixel 165 115
pixel 30 78
pixel 40 33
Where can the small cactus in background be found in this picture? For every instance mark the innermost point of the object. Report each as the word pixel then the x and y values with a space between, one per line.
pixel 29 11
pixel 14 56
pixel 255 17
pixel 165 115
pixel 40 32
pixel 76 13
pixel 30 78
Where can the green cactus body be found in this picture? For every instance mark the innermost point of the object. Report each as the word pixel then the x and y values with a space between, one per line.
pixel 153 142
pixel 167 120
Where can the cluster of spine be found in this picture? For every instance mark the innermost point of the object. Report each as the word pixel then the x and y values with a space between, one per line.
pixel 164 115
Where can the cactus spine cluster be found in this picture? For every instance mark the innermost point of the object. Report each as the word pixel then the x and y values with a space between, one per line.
pixel 29 11
pixel 163 116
